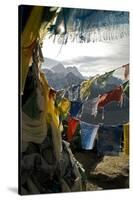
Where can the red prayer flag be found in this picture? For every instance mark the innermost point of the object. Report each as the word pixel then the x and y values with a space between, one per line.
pixel 114 95
pixel 72 125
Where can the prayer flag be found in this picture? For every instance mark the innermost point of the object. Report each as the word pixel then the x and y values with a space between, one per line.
pixel 114 95
pixel 91 106
pixel 72 126
pixel 88 135
pixel 28 42
pixel 64 105
pixel 73 93
pixel 109 140
pixel 75 108
pixel 85 88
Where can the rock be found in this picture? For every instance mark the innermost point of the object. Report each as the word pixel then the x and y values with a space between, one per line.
pixel 108 172
pixel 113 166
pixel 92 187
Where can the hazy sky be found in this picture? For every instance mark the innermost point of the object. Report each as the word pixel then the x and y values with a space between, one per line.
pixel 89 58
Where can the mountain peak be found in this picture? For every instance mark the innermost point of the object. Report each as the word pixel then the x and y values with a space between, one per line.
pixel 59 68
pixel 75 71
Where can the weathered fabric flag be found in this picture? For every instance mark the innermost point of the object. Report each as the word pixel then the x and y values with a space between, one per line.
pixel 31 107
pixel 76 107
pixel 28 41
pixel 34 130
pixel 88 135
pixel 59 95
pixel 73 93
pixel 64 107
pixel 91 106
pixel 109 140
pixel 85 88
pixel 53 112
pixel 56 139
pixel 72 126
pixel 114 95
pixel 103 25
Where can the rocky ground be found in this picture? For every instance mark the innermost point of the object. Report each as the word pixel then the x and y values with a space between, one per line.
pixel 108 172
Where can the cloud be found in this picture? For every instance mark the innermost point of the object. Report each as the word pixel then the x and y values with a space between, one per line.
pixel 90 66
pixel 92 58
pixel 95 60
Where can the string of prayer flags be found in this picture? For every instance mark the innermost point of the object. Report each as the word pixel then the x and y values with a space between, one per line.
pixel 109 140
pixel 76 107
pixel 126 138
pixel 72 126
pixel 88 135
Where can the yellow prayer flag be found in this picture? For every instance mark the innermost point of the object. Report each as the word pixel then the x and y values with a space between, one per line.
pixel 85 88
pixel 126 138
pixel 34 30
pixel 64 105
pixel 28 40
pixel 52 111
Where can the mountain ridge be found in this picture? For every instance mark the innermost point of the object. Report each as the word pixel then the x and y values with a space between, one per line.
pixel 61 80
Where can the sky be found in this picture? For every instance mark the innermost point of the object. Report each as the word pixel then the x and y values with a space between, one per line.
pixel 90 58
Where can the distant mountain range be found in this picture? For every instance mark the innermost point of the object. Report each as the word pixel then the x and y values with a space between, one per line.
pixel 59 68
pixel 60 77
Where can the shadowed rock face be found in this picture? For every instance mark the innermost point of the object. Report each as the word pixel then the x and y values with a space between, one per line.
pixel 108 172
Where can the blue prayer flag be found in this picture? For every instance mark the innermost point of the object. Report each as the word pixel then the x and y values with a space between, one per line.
pixel 75 108
pixel 109 140
pixel 88 135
